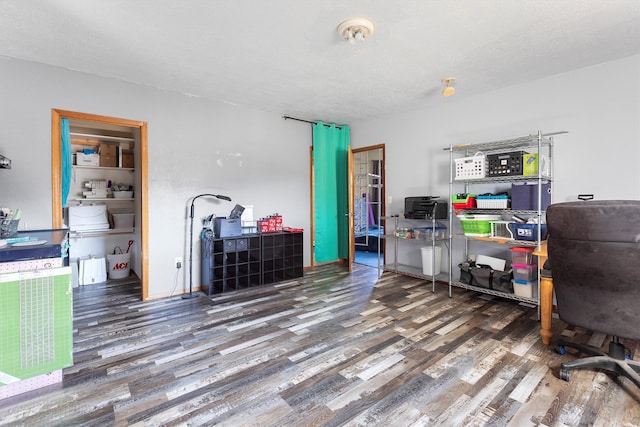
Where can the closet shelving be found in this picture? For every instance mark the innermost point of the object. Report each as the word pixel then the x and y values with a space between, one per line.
pixel 539 144
pixel 116 174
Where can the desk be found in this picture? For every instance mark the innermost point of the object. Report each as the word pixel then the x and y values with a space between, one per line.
pixel 546 297
pixel 54 247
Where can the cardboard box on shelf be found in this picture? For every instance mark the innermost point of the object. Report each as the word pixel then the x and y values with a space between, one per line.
pixel 127 159
pixel 108 149
pixel 108 161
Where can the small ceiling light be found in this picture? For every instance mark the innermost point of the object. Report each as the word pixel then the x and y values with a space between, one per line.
pixel 356 29
pixel 448 89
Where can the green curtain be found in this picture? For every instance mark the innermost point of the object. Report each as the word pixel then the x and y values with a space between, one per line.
pixel 330 159
pixel 66 158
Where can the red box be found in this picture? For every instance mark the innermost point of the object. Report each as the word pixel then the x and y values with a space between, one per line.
pixel 278 222
pixel 270 224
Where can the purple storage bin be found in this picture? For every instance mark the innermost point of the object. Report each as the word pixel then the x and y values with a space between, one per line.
pixel 524 197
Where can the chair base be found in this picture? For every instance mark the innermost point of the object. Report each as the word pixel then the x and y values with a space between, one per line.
pixel 614 362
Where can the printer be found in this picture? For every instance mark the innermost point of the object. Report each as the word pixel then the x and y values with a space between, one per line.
pixel 425 207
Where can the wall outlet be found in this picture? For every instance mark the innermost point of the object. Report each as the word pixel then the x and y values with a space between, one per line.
pixel 178 262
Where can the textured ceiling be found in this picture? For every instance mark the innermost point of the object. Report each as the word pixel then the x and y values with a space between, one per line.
pixel 285 56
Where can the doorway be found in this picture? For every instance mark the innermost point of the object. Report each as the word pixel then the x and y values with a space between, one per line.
pixel 139 131
pixel 369 206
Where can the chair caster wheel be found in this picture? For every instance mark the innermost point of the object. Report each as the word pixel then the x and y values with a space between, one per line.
pixel 559 349
pixel 564 373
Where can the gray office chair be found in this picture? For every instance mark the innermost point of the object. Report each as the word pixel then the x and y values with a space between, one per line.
pixel 594 250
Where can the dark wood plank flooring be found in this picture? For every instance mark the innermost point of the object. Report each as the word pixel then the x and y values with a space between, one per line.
pixel 330 349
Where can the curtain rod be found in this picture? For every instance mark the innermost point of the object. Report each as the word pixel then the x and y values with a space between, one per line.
pixel 308 121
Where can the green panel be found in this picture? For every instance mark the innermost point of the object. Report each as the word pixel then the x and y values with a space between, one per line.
pixel 330 159
pixel 342 178
pixel 36 323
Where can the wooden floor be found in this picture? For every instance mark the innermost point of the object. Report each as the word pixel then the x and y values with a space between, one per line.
pixel 331 349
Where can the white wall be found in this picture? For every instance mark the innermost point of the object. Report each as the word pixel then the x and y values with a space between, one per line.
pixel 195 146
pixel 599 106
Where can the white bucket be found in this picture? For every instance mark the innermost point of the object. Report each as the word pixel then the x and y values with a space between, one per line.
pixel 427 260
pixel 119 265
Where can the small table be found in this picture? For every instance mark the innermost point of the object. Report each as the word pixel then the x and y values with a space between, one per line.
pixel 546 297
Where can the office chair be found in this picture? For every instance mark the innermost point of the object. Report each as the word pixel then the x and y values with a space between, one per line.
pixel 594 250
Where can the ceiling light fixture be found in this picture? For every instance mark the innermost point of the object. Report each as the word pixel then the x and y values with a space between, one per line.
pixel 356 29
pixel 448 89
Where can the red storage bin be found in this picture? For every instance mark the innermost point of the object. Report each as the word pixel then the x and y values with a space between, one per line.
pixel 463 201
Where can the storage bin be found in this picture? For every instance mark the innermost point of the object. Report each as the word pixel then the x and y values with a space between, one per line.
pixel 492 202
pixel 119 265
pixel 477 225
pixel 505 164
pixel 83 159
pixel 530 232
pixel 525 272
pixel 521 255
pixel 471 167
pixel 524 197
pixel 123 194
pixel 88 217
pixel 428 266
pixel 122 219
pixel 525 289
pixel 429 233
pixel 463 201
pixel 403 233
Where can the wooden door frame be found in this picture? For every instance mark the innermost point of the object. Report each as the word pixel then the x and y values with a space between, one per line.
pixel 56 178
pixel 312 206
pixel 383 196
pixel 351 208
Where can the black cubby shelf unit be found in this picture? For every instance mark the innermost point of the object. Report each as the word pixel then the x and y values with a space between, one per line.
pixel 233 263
pixel 281 256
